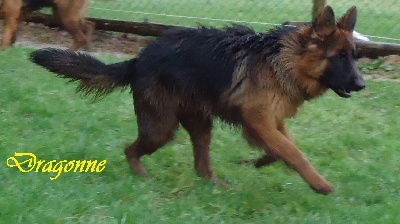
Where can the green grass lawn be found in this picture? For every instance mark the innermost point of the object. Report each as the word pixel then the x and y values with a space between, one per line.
pixel 379 18
pixel 352 142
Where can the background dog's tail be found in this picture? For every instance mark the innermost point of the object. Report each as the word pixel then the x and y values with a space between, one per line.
pixel 94 76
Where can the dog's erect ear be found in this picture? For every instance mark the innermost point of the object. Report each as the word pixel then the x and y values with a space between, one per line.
pixel 348 21
pixel 324 24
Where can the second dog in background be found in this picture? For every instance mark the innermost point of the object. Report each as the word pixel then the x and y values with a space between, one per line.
pixel 70 13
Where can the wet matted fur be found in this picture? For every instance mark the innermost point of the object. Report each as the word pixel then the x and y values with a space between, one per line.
pixel 253 80
pixel 70 13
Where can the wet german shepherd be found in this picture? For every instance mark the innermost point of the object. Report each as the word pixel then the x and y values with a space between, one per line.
pixel 71 14
pixel 255 80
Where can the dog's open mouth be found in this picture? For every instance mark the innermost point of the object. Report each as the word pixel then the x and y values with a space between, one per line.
pixel 342 92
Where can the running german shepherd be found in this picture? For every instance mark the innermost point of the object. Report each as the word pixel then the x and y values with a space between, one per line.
pixel 256 80
pixel 71 13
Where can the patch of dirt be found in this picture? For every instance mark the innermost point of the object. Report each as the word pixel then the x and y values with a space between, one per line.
pixel 381 69
pixel 393 59
pixel 40 36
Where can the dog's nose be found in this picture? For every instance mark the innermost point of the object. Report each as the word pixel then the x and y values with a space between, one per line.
pixel 359 86
pixel 359 83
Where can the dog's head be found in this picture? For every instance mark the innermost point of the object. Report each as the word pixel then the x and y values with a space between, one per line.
pixel 330 52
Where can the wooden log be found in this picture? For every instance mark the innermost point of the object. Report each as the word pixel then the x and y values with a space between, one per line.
pixel 139 28
pixel 368 49
pixel 371 49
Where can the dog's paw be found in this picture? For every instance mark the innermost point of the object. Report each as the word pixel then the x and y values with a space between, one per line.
pixel 323 188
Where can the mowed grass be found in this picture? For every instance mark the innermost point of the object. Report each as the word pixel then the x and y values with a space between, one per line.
pixel 379 18
pixel 352 142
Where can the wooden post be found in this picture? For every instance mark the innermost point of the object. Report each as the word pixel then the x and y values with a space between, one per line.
pixel 318 5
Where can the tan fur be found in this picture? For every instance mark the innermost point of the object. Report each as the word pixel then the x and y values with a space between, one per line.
pixel 70 13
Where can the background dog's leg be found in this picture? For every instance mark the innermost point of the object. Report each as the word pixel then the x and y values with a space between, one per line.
pixel 72 16
pixel 70 19
pixel 12 12
pixel 156 127
pixel 275 143
pixel 88 28
pixel 72 25
pixel 199 128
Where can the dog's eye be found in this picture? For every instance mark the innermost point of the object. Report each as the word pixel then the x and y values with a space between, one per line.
pixel 343 54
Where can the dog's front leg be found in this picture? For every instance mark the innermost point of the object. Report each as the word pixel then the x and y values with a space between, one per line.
pixel 12 11
pixel 266 159
pixel 264 128
pixel 254 141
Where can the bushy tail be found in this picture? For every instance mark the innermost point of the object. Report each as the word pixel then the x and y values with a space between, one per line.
pixel 94 76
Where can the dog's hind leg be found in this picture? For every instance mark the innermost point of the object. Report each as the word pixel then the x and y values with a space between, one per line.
pixel 133 154
pixel 156 127
pixel 12 12
pixel 199 129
